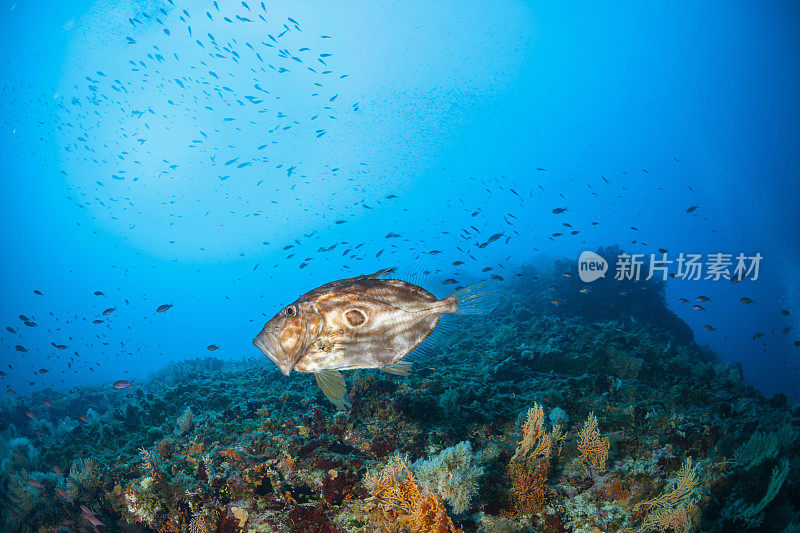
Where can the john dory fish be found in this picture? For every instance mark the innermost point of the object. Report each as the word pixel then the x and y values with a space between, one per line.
pixel 363 322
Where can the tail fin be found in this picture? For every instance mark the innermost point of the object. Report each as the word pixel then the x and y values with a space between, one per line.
pixel 477 299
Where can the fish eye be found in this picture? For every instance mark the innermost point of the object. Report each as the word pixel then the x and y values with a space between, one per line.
pixel 290 311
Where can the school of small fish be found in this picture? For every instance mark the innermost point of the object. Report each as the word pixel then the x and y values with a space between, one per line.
pixel 246 78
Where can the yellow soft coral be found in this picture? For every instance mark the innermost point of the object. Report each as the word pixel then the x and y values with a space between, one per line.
pixel 593 448
pixel 152 463
pixel 531 462
pixel 198 525
pixel 676 508
pixel 394 489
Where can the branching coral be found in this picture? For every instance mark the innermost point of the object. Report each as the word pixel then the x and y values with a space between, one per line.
pixel 17 451
pixel 453 474
pixel 154 499
pixel 531 462
pixel 394 489
pixel 29 495
pixel 592 447
pixel 752 515
pixel 624 366
pixel 20 492
pixel 448 401
pixel 676 509
pixel 152 462
pixel 141 502
pixel 232 455
pixel 762 446
pixel 145 497
pixel 83 479
pixel 198 524
pixel 793 527
pixel 184 422
pixel 678 519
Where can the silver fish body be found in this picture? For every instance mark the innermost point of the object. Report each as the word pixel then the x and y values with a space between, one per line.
pixel 362 322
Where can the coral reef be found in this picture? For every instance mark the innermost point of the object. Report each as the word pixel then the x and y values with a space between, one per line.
pixel 452 474
pixel 403 501
pixel 676 509
pixel 530 465
pixel 752 514
pixel 592 447
pixel 533 418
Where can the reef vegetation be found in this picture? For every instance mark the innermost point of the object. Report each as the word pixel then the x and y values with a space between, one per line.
pixel 596 414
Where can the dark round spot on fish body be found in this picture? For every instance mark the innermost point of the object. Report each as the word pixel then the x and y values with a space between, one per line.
pixel 355 317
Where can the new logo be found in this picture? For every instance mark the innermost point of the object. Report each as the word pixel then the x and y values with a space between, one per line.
pixel 591 266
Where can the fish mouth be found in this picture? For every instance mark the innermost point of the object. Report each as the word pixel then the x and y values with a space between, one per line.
pixel 283 365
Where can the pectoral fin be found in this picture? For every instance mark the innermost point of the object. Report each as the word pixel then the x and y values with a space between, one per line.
pixel 400 368
pixel 332 384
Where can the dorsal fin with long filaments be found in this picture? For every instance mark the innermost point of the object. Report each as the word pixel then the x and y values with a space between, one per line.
pixel 384 272
pixel 415 275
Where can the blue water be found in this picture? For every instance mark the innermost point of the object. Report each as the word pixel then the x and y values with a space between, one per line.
pixel 208 171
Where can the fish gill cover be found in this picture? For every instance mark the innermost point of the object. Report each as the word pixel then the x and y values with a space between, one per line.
pixel 608 195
